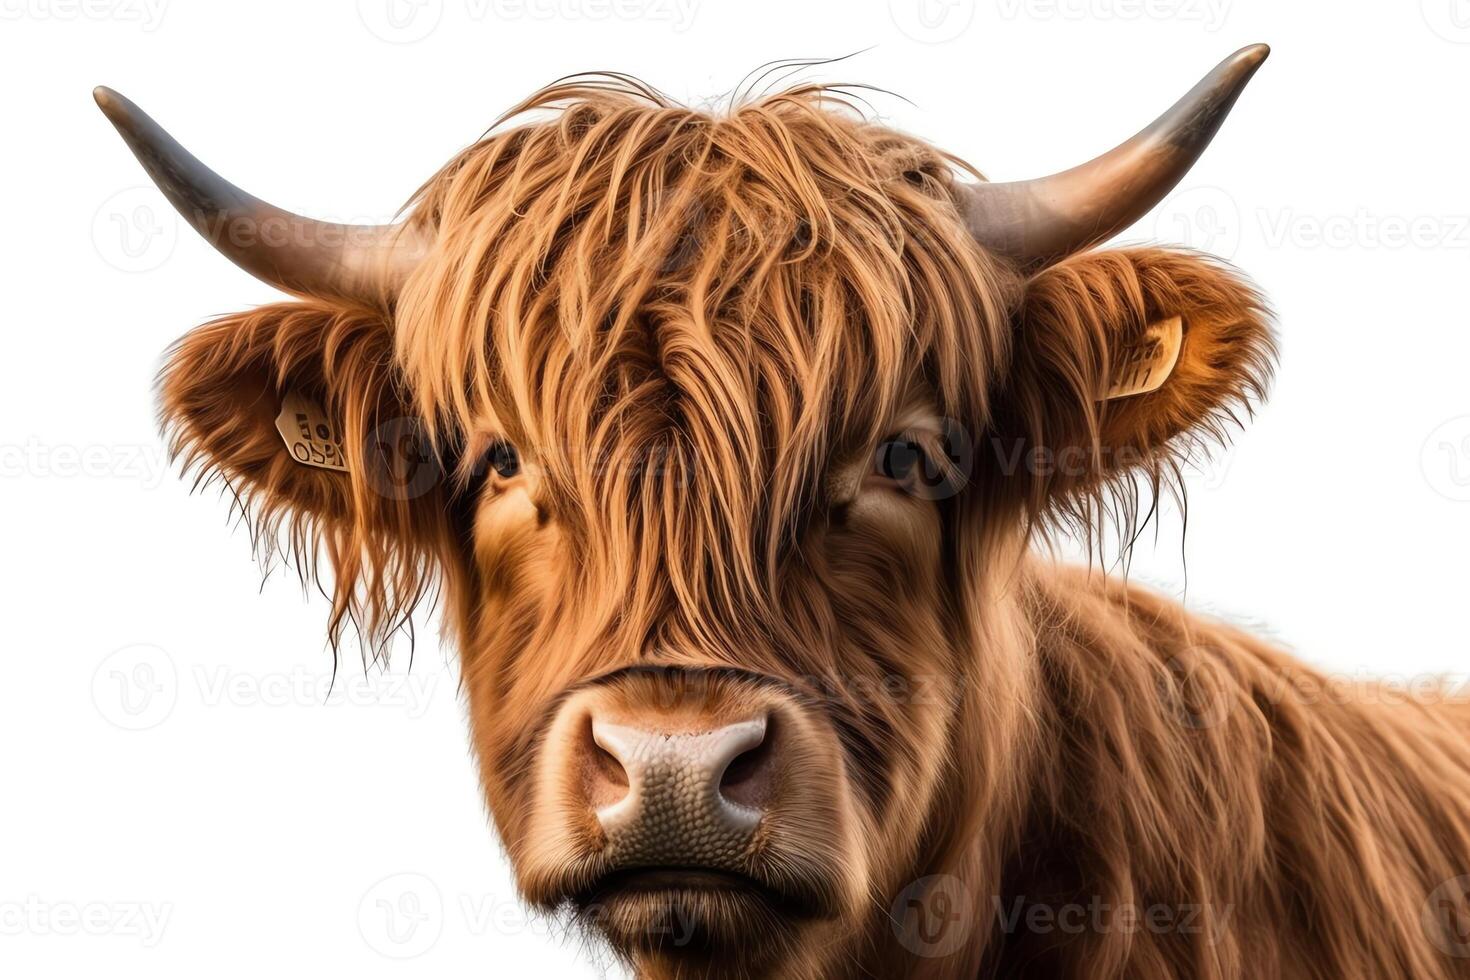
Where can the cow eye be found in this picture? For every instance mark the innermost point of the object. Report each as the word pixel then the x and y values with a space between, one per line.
pixel 504 459
pixel 898 460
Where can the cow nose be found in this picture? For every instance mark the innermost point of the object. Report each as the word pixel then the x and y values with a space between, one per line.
pixel 680 798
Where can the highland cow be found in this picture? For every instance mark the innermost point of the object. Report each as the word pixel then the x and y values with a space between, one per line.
pixel 726 440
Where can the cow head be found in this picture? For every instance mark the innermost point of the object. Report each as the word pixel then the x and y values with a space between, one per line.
pixel 722 437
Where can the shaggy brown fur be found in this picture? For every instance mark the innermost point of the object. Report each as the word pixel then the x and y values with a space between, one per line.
pixel 695 329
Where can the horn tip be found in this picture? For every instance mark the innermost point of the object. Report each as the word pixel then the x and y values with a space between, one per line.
pixel 113 104
pixel 1252 55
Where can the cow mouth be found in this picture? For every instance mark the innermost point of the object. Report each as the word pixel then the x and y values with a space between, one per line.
pixel 671 882
pixel 663 880
pixel 694 912
pixel 676 877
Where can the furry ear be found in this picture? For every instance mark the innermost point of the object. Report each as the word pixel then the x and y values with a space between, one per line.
pixel 377 514
pixel 1124 362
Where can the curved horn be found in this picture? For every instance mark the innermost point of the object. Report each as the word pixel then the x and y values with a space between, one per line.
pixel 1037 222
pixel 311 258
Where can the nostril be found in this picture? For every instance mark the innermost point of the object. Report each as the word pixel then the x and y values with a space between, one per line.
pixel 604 778
pixel 609 768
pixel 747 779
pixel 741 774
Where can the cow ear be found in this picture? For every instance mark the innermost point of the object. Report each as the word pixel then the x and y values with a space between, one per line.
pixel 297 408
pixel 1126 361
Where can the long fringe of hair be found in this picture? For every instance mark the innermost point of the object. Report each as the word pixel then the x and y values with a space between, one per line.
pixel 771 281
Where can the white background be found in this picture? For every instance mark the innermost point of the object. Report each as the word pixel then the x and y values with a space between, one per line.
pixel 179 797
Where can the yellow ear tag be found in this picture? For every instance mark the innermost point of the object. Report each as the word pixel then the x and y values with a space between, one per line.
pixel 311 437
pixel 1146 365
